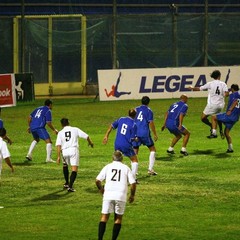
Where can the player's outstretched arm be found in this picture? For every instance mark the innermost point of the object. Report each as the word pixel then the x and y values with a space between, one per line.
pixel 53 128
pixel 90 143
pixel 133 190
pixel 9 163
pixel 105 139
pixel 99 186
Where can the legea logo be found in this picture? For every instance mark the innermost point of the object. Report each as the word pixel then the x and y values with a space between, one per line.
pixel 5 93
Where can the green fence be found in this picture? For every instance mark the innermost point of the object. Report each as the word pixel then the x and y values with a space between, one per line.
pixel 141 41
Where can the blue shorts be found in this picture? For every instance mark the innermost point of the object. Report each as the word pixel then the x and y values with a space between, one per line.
pixel 226 120
pixel 40 133
pixel 172 128
pixel 128 152
pixel 147 141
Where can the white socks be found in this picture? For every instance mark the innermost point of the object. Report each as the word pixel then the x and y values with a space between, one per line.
pixel 151 160
pixel 32 146
pixel 49 151
pixel 170 149
pixel 214 132
pixel 134 168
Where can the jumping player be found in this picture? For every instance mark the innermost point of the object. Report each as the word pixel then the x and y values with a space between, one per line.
pixel 230 117
pixel 217 91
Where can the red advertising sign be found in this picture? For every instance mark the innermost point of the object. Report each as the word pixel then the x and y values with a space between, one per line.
pixel 7 90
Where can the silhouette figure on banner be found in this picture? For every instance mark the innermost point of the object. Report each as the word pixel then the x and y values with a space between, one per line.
pixel 114 92
pixel 20 92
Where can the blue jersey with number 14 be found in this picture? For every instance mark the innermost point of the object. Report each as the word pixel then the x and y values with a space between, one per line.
pixel 40 116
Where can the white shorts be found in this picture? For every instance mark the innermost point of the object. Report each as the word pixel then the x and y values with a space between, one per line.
pixel 110 206
pixel 212 109
pixel 0 166
pixel 71 156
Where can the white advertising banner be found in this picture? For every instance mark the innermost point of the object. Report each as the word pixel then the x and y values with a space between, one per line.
pixel 157 83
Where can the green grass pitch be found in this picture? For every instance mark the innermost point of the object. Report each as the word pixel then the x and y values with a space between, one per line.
pixel 192 197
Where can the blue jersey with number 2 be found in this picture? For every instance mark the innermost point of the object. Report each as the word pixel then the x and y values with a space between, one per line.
pixel 174 112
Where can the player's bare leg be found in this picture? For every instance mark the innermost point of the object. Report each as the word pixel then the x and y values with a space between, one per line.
pixel 186 137
pixel 174 141
pixel 204 119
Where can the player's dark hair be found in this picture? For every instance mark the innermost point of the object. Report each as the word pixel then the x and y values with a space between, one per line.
pixel 117 156
pixel 235 87
pixel 215 74
pixel 64 122
pixel 145 100
pixel 47 102
pixel 3 132
pixel 132 113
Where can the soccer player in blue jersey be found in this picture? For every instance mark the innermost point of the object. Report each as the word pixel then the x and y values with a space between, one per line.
pixel 230 117
pixel 125 136
pixel 174 123
pixel 145 122
pixel 37 121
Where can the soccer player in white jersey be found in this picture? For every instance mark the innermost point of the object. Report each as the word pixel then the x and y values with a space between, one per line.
pixel 4 152
pixel 67 144
pixel 117 176
pixel 217 91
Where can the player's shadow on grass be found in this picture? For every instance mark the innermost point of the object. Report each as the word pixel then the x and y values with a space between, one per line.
pixel 166 158
pixel 29 163
pixel 25 163
pixel 202 152
pixel 222 155
pixel 53 196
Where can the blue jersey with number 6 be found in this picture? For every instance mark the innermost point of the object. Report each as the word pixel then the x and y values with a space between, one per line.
pixel 126 132
pixel 40 116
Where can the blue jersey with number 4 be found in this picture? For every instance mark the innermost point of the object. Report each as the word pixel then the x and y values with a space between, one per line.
pixel 174 112
pixel 40 116
pixel 143 117
pixel 126 132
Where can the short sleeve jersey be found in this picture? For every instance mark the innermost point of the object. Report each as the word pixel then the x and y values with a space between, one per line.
pixel 68 137
pixel 40 116
pixel 216 92
pixel 117 176
pixel 1 123
pixel 175 110
pixel 126 131
pixel 4 152
pixel 143 117
pixel 236 110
